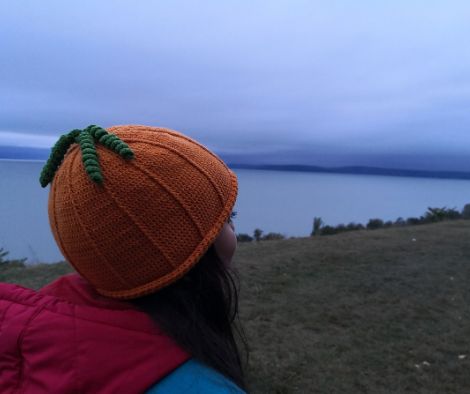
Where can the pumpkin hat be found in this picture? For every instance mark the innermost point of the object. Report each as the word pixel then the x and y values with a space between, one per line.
pixel 133 208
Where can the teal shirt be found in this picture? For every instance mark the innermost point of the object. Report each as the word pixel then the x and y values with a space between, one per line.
pixel 195 377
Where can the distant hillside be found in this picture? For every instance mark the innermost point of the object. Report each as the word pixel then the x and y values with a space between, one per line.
pixel 23 153
pixel 356 170
pixel 27 153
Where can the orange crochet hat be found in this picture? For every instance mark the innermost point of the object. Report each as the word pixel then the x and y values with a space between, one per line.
pixel 134 209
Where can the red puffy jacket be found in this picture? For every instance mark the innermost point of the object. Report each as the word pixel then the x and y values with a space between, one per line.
pixel 66 338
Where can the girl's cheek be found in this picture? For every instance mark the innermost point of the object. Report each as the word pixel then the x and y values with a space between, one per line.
pixel 226 243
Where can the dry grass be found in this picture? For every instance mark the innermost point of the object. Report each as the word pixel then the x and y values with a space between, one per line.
pixel 359 312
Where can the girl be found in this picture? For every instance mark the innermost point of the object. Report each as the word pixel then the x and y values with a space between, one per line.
pixel 143 214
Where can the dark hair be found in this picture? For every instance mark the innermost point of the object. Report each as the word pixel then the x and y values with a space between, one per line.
pixel 200 312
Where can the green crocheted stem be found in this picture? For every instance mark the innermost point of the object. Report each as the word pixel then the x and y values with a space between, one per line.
pixel 58 152
pixel 86 139
pixel 111 141
pixel 90 156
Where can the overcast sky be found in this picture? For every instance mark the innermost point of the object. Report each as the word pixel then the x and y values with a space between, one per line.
pixel 389 80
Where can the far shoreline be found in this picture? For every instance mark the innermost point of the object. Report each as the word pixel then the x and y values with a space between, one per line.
pixel 356 170
pixel 24 160
pixel 345 170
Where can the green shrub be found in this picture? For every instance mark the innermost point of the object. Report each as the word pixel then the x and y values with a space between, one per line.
pixel 16 262
pixel 328 230
pixel 400 222
pixel 453 214
pixel 3 253
pixel 354 226
pixel 433 215
pixel 317 223
pixel 375 224
pixel 244 238
pixel 466 211
pixel 341 228
pixel 273 236
pixel 413 221
pixel 257 234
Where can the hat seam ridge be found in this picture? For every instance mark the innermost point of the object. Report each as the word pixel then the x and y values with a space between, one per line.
pixel 171 192
pixel 202 171
pixel 77 215
pixel 139 225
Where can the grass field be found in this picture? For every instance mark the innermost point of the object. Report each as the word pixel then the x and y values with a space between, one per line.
pixel 384 311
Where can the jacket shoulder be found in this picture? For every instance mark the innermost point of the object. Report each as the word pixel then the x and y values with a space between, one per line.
pixel 43 335
pixel 195 377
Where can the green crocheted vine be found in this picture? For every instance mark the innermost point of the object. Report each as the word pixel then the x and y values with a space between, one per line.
pixel 86 139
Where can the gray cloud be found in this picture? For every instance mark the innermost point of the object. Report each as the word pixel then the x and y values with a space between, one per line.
pixel 352 77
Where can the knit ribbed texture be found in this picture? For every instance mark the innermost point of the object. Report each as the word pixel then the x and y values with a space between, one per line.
pixel 150 220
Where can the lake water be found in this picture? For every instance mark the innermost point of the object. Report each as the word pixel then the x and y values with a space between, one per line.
pixel 273 201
